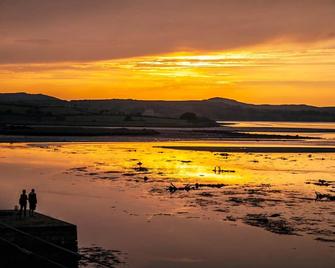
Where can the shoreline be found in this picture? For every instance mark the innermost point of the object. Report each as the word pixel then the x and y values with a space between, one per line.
pixel 128 138
pixel 103 134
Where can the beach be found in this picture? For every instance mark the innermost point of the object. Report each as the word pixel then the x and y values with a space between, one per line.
pixel 260 208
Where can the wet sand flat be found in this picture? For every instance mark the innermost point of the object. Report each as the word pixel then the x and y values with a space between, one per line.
pixel 264 213
pixel 255 149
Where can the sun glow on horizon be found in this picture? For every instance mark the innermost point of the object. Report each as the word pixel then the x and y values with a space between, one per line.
pixel 271 75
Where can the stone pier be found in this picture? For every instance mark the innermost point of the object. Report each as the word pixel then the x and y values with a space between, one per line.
pixel 39 241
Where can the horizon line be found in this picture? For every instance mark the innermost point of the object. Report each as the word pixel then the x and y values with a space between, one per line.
pixel 171 100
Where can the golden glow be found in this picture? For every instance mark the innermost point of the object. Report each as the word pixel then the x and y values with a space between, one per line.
pixel 171 165
pixel 290 74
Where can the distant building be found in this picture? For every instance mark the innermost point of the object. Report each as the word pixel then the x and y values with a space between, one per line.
pixel 149 112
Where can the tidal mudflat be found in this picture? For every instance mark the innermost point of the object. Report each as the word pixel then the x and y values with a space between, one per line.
pixel 150 206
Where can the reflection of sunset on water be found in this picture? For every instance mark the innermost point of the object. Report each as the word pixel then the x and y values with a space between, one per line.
pixel 177 165
pixel 102 179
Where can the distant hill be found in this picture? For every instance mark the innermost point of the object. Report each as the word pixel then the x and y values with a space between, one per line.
pixel 31 99
pixel 214 108
pixel 23 107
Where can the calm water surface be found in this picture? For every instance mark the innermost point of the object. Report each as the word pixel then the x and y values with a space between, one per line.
pixel 96 187
pixel 317 125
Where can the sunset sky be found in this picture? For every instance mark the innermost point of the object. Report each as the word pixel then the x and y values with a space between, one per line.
pixel 257 51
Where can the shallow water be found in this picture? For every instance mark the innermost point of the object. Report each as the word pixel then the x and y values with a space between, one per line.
pixel 273 124
pixel 276 128
pixel 99 187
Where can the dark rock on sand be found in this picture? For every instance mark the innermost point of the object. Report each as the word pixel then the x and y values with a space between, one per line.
pixel 278 226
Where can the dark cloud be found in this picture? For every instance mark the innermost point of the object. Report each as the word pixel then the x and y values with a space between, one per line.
pixel 66 30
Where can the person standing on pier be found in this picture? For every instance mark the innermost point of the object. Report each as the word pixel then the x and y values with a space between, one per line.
pixel 32 198
pixel 23 203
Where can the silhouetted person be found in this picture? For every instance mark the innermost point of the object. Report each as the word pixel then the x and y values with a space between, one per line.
pixel 23 202
pixel 32 198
